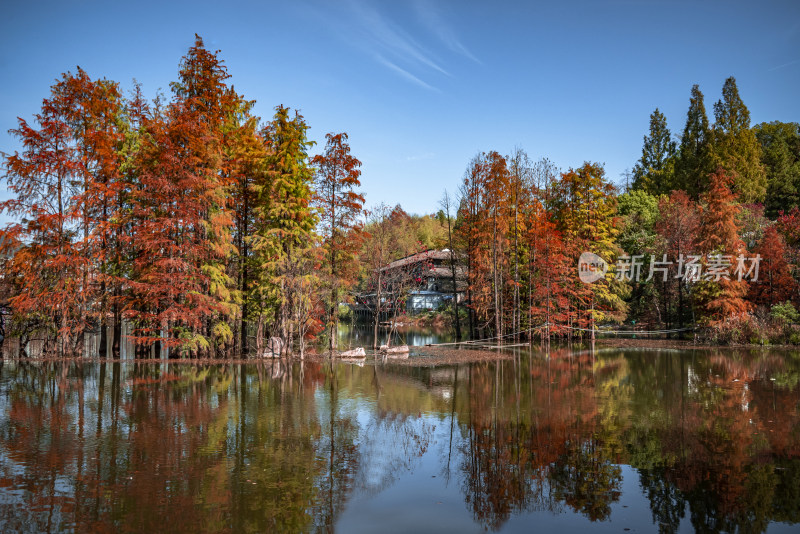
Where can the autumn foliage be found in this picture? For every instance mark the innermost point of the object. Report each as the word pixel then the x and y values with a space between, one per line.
pixel 208 232
pixel 183 218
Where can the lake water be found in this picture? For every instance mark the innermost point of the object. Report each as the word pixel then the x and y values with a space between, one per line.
pixel 570 440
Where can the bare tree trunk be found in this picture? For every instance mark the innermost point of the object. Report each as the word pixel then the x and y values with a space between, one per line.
pixel 284 319
pixel 529 312
pixel 334 309
pixel 516 305
pixel 102 350
pixel 244 273
pixel 334 318
pixel 456 320
pixel 470 308
pixel 117 335
pixel 243 345
pixel 300 329
pixel 377 311
pixel 497 318
pixel 260 334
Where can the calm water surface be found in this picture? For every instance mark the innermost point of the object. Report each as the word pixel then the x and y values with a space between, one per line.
pixel 620 439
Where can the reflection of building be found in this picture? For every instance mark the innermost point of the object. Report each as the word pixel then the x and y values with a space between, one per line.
pixel 424 281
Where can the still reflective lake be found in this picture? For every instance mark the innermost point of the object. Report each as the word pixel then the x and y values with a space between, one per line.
pixel 613 440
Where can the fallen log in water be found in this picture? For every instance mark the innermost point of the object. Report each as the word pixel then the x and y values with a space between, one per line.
pixel 355 353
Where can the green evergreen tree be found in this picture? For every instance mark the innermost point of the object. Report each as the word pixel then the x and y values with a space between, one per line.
pixel 247 169
pixel 654 172
pixel 780 154
pixel 285 239
pixel 693 163
pixel 735 147
pixel 639 213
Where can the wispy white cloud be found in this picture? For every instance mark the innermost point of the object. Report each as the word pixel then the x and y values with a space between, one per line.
pixel 391 38
pixel 420 157
pixel 783 65
pixel 365 25
pixel 430 16
pixel 404 73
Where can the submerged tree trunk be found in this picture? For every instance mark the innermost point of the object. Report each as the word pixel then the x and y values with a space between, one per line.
pixel 117 334
pixel 260 335
pixel 102 349
pixel 334 319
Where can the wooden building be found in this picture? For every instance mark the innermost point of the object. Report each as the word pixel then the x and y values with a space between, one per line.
pixel 419 282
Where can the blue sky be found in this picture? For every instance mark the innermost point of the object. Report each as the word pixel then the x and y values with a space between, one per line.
pixel 422 86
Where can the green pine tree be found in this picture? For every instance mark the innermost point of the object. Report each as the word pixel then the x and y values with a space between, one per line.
pixel 780 154
pixel 693 163
pixel 735 147
pixel 285 237
pixel 654 172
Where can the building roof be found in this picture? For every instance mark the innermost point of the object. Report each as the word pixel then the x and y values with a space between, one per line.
pixel 445 272
pixel 419 257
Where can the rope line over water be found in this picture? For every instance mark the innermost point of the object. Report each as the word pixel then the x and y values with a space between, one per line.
pixel 574 328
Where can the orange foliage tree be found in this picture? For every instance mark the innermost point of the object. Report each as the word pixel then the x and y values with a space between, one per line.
pixel 678 225
pixel 585 209
pixel 180 211
pixel 775 283
pixel 719 237
pixel 65 182
pixel 483 229
pixel 339 205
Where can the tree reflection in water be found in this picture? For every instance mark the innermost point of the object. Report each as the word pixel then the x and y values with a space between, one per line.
pixel 542 456
pixel 106 447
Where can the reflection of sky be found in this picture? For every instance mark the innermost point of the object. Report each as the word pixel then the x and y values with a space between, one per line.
pixel 419 500
pixel 409 471
pixel 424 500
pixel 423 496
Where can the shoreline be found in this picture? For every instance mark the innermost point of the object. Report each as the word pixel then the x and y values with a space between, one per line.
pixel 422 356
pixel 683 344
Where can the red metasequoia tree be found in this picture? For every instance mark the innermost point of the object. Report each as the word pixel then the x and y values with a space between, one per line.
pixel 775 283
pixel 719 235
pixel 180 210
pixel 66 186
pixel 340 206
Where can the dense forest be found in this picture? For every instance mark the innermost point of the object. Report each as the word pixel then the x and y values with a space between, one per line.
pixel 213 232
